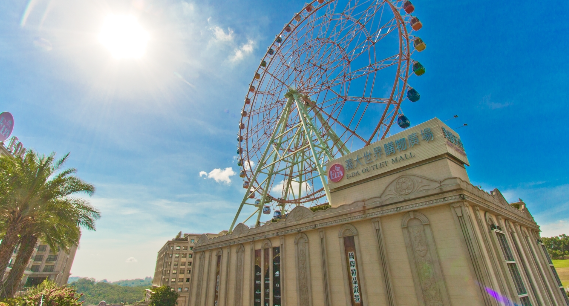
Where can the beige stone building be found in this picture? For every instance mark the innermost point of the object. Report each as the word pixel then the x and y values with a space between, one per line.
pixel 46 263
pixel 174 264
pixel 405 227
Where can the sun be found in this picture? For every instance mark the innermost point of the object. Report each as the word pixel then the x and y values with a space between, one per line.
pixel 124 37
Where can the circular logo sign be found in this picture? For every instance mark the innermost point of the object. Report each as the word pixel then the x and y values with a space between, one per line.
pixel 336 173
pixel 6 125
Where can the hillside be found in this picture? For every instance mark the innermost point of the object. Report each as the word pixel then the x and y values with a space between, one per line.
pixel 94 292
pixel 137 282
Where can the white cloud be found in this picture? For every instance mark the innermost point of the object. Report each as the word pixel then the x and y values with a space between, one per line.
pixel 555 228
pixel 131 259
pixel 242 51
pixel 221 35
pixel 219 175
pixel 278 188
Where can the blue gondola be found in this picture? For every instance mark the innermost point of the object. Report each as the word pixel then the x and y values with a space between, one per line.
pixel 277 214
pixel 266 209
pixel 413 95
pixel 403 121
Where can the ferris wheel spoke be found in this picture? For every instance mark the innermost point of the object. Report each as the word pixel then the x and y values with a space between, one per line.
pixel 375 67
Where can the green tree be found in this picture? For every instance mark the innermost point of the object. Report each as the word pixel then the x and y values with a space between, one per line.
pixel 94 292
pixel 48 294
pixel 58 224
pixel 36 202
pixel 163 296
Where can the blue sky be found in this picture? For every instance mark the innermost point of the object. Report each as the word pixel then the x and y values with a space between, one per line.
pixel 143 130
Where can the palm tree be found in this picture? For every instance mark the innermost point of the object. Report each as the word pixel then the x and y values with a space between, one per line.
pixel 27 188
pixel 58 224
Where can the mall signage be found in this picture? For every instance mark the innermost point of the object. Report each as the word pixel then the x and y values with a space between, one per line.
pixel 421 142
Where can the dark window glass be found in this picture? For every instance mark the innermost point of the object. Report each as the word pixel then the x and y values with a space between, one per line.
pixel 51 258
pixel 564 294
pixel 517 278
pixel 505 247
pixel 546 254
pixel 38 258
pixel 556 275
pixel 48 268
pixel 525 268
pixel 35 268
pixel 525 301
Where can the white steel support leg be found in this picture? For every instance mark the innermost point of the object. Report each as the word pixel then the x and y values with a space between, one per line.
pixel 309 130
pixel 280 126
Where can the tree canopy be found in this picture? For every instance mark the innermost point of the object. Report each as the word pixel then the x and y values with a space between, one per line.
pixel 163 296
pixel 557 246
pixel 95 292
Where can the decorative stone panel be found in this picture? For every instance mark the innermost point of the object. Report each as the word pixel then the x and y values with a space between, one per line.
pixel 430 286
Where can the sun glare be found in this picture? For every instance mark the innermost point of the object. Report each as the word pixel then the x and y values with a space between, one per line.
pixel 123 36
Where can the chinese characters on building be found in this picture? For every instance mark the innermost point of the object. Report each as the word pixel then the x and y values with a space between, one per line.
pixel 390 148
pixel 354 276
pixel 452 138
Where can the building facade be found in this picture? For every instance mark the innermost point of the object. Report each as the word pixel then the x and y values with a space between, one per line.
pixel 174 264
pixel 405 227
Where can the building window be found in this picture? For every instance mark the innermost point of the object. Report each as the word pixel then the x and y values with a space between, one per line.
pixel 179 289
pixel 185 288
pixel 181 280
pixel 563 293
pixel 38 258
pixel 183 263
pixel 192 241
pixel 184 248
pixel 51 258
pixel 173 280
pixel 524 266
pixel 177 255
pixel 183 255
pixel 189 271
pixel 189 264
pixel 512 267
pixel 42 248
pixel 189 255
pixel 178 248
pixel 48 268
pixel 191 248
pixel 187 279
pixel 174 271
pixel 175 264
pixel 181 271
pixel 170 255
pixel 35 268
pixel 539 269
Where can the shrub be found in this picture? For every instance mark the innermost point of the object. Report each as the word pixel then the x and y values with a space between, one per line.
pixel 50 293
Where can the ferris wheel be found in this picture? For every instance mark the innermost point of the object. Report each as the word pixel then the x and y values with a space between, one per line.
pixel 332 81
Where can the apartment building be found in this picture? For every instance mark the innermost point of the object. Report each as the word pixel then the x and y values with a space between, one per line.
pixel 46 263
pixel 174 264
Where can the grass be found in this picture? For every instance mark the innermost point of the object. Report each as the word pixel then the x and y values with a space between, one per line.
pixel 562 267
pixel 560 263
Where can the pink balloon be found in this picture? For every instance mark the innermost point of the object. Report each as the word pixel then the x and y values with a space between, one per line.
pixel 6 125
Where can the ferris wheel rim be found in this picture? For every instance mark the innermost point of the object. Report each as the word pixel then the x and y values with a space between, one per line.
pixel 268 59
